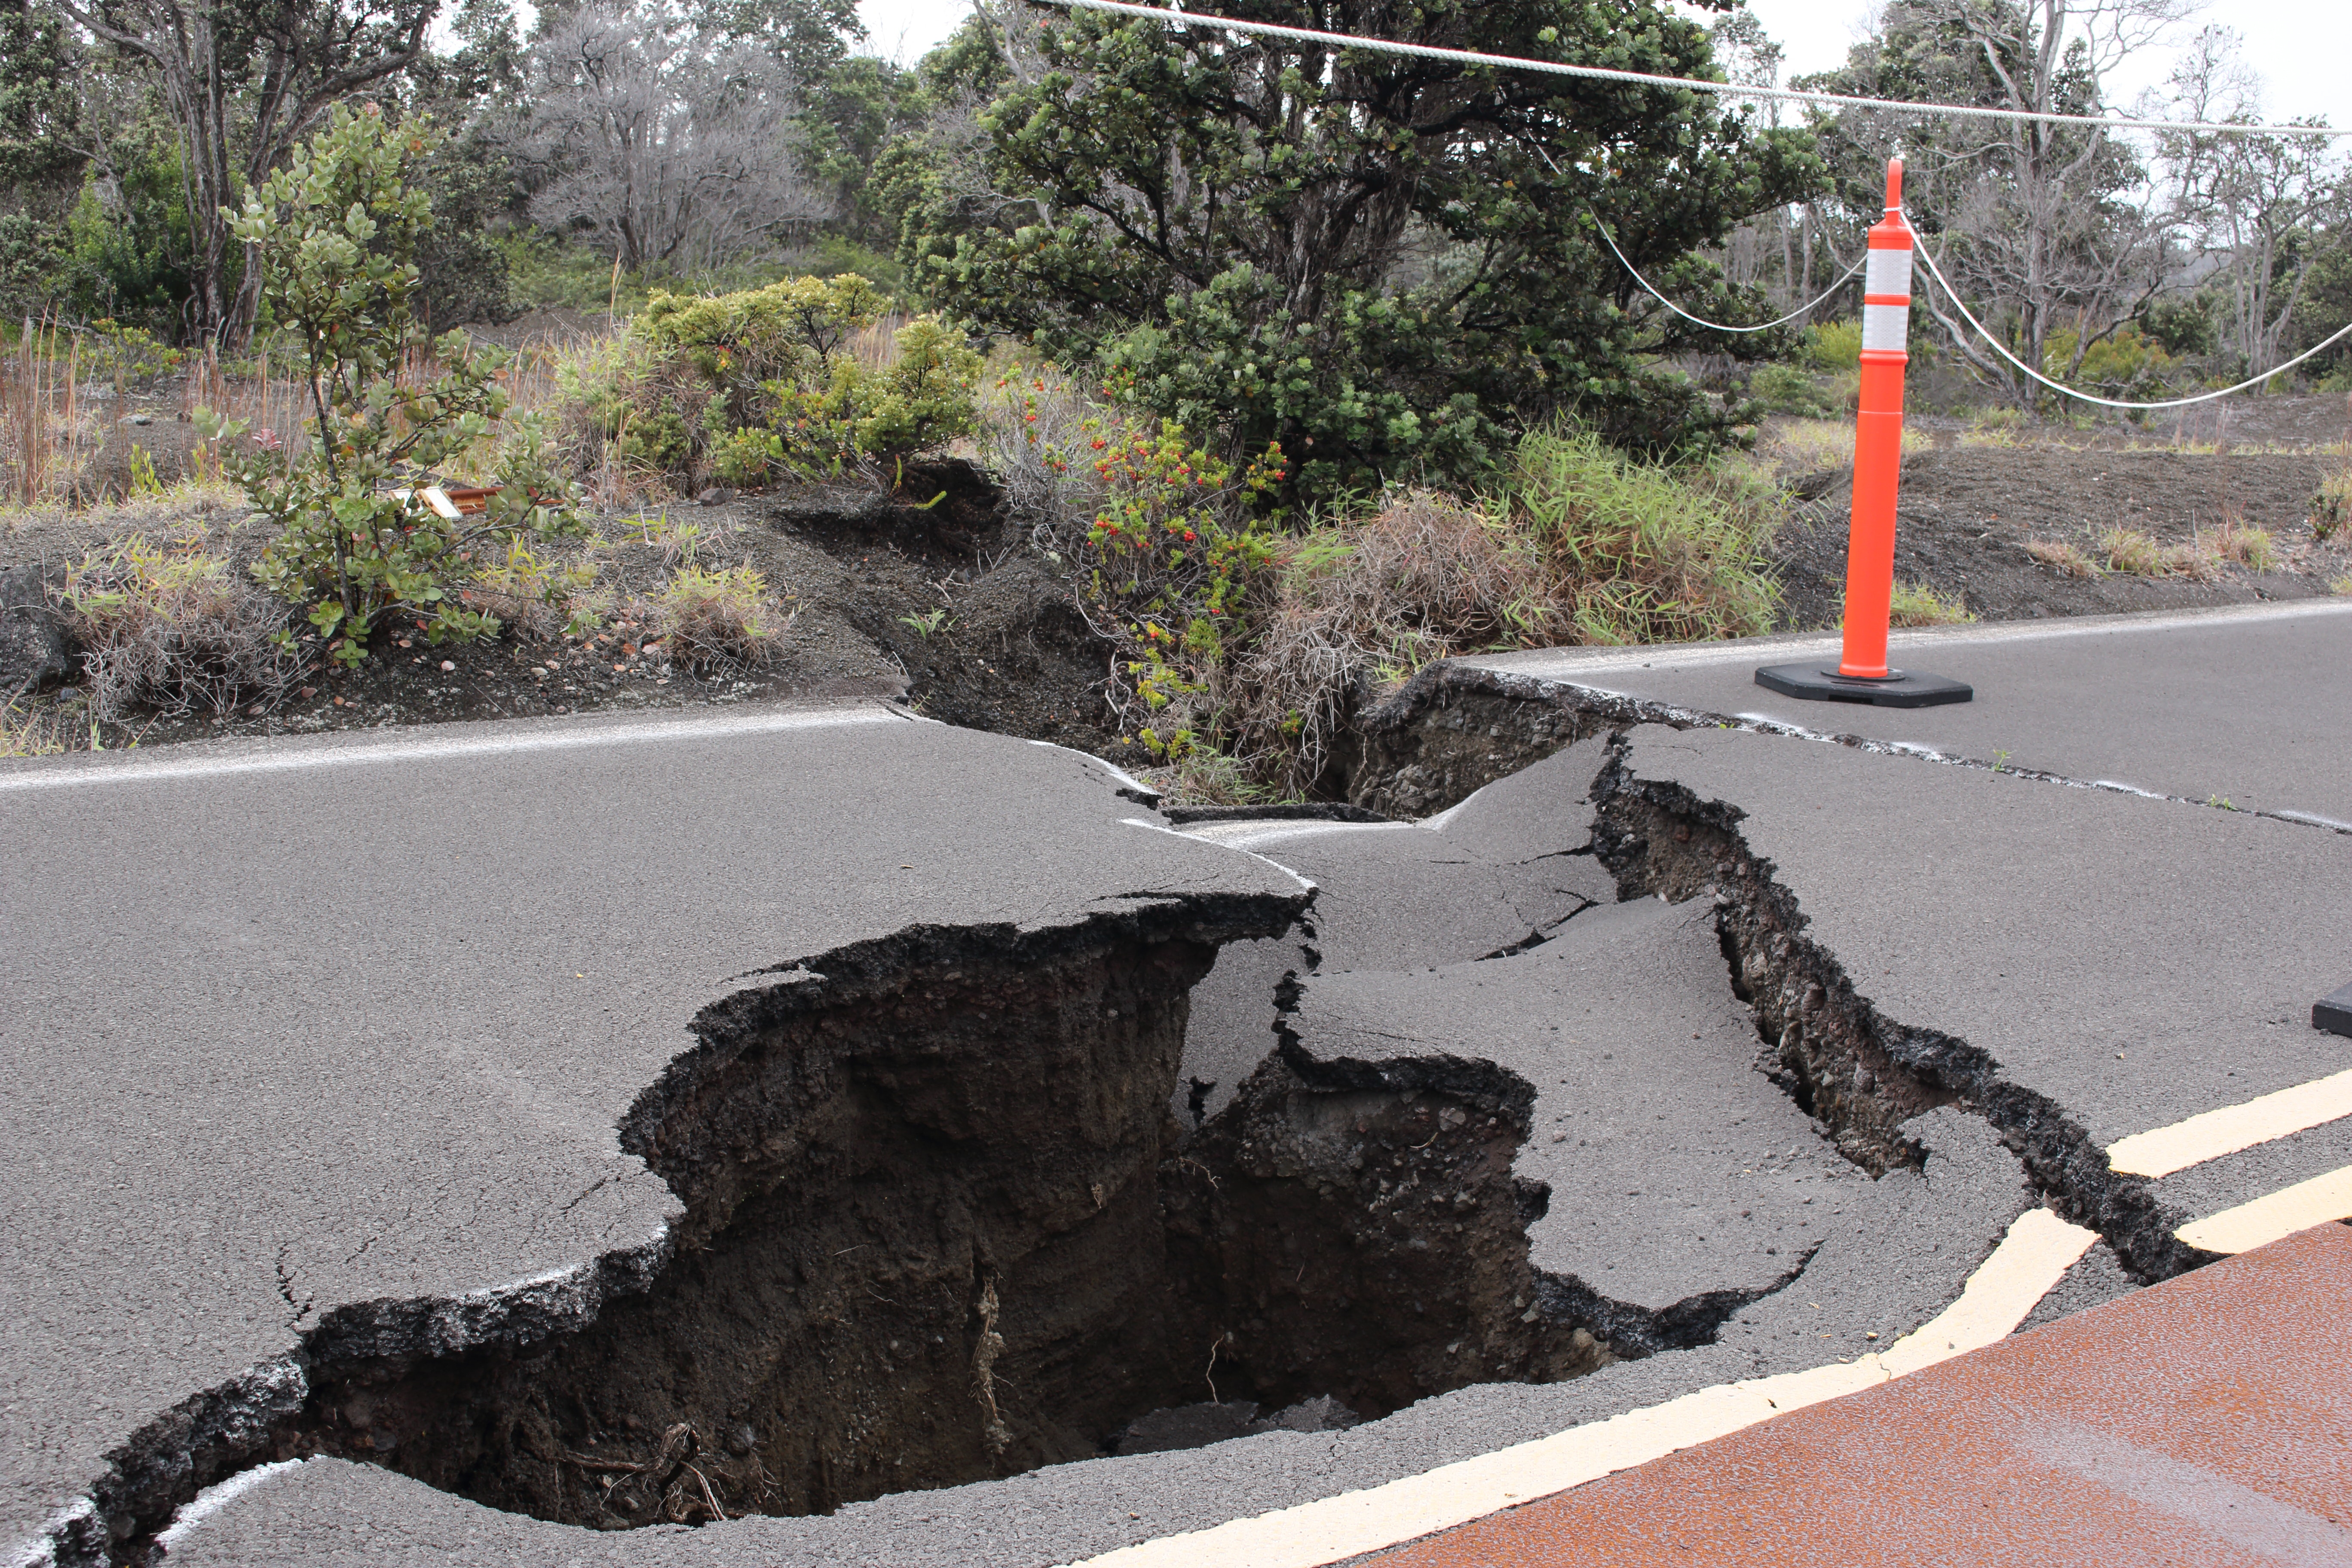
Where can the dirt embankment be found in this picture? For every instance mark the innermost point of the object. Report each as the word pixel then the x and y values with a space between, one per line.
pixel 932 593
pixel 925 594
pixel 1967 512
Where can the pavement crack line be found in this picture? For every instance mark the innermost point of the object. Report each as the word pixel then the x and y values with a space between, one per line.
pixel 1862 1073
pixel 1553 711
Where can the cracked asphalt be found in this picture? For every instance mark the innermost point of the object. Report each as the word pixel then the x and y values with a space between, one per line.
pixel 303 1024
pixel 358 1070
pixel 2246 704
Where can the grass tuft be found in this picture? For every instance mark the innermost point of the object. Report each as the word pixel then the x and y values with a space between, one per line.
pixel 2129 551
pixel 1917 604
pixel 709 617
pixel 2065 556
pixel 1638 554
pixel 179 630
pixel 2253 548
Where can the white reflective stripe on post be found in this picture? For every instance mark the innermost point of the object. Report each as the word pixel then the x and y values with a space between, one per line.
pixel 1889 272
pixel 1886 327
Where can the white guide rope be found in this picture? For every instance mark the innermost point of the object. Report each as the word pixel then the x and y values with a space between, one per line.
pixel 1997 347
pixel 1718 326
pixel 1692 84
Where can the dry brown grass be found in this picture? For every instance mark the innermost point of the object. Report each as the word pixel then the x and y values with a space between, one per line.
pixel 178 630
pixel 47 436
pixel 709 617
pixel 2065 556
pixel 1424 578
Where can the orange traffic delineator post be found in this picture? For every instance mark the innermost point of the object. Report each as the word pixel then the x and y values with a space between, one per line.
pixel 1862 674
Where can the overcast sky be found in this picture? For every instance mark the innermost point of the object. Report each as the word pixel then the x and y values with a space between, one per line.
pixel 2303 48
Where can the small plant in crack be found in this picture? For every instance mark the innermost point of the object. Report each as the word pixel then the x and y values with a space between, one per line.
pixel 2000 762
pixel 2220 801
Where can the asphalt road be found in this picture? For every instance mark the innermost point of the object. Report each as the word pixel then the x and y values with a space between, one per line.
pixel 2247 704
pixel 354 1020
pixel 1676 1170
pixel 291 1028
pixel 2134 961
pixel 1500 871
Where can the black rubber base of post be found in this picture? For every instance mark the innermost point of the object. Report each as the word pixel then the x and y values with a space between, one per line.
pixel 2333 1014
pixel 1899 688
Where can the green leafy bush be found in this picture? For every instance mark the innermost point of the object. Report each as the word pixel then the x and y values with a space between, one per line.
pixel 126 257
pixel 1834 345
pixel 2125 363
pixel 1785 389
pixel 333 232
pixel 128 356
pixel 751 385
pixel 2182 326
pixel 1166 572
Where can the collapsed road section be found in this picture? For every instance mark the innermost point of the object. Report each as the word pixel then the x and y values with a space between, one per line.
pixel 353 1058
pixel 1069 1144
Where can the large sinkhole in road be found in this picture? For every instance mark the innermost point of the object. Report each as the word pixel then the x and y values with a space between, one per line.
pixel 944 1228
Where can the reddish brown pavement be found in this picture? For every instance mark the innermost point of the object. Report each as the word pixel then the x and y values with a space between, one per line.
pixel 2207 1421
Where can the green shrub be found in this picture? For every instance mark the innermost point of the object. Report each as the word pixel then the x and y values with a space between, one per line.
pixel 128 356
pixel 745 458
pixel 2181 326
pixel 1785 389
pixel 2125 363
pixel 1834 345
pixel 2331 504
pixel 1166 573
pixel 127 258
pixel 333 232
pixel 777 380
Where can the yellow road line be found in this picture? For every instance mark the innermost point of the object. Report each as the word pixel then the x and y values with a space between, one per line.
pixel 2164 1150
pixel 2037 1251
pixel 2265 1220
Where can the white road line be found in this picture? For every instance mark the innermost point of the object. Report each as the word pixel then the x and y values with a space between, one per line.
pixel 430 748
pixel 2038 1250
pixel 2281 1214
pixel 213 1499
pixel 1542 662
pixel 2164 1150
pixel 1242 835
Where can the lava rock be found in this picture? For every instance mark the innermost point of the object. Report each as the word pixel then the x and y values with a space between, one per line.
pixel 35 654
